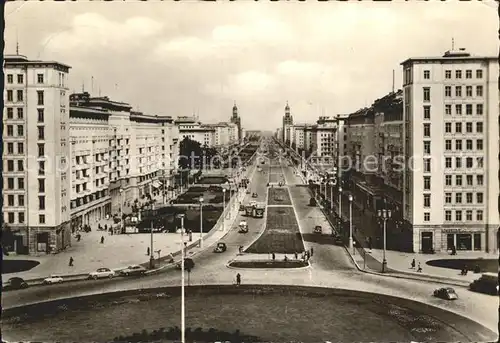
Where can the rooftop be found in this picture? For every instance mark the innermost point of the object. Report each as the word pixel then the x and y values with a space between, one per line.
pixel 23 60
pixel 450 56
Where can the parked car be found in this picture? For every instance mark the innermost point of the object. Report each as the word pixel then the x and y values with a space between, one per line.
pixel 133 271
pixel 14 283
pixel 318 229
pixel 487 283
pixel 221 247
pixel 52 280
pixel 102 273
pixel 446 293
pixel 254 195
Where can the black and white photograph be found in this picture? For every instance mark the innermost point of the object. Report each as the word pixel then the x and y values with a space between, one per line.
pixel 251 171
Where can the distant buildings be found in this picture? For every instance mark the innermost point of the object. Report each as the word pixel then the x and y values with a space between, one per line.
pixel 70 160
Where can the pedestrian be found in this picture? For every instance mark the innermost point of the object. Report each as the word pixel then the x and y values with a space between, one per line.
pixel 413 264
pixel 78 237
pixel 273 256
pixel 148 251
pixel 296 256
pixel 106 227
pixel 102 239
pixel 238 279
pixel 312 251
pixel 71 261
pixel 419 270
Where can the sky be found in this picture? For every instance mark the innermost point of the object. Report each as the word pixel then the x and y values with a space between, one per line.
pixel 180 58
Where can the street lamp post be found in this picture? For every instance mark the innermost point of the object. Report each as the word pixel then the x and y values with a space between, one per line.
pixel 340 203
pixel 201 222
pixel 384 215
pixel 350 222
pixel 331 196
pixel 121 210
pixel 151 255
pixel 183 295
pixel 223 209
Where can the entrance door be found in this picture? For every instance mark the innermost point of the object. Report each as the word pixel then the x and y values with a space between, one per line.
pixel 427 242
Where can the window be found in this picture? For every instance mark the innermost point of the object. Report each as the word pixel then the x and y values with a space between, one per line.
pixel 448 162
pixel 479 74
pixel 10 148
pixel 41 115
pixel 447 127
pixel 479 180
pixel 427 183
pixel 20 183
pixel 20 200
pixel 458 127
pixel 427 130
pixel 427 147
pixel 458 180
pixel 20 165
pixel 458 109
pixel 447 216
pixel 458 162
pixel 458 91
pixel 479 198
pixel 10 183
pixel 10 165
pixel 427 165
pixel 468 163
pixel 41 150
pixel 10 130
pixel 41 218
pixel 458 198
pixel 468 91
pixel 427 200
pixel 39 78
pixel 10 113
pixel 479 109
pixel 20 130
pixel 468 127
pixel 468 198
pixel 479 215
pixel 41 133
pixel 20 95
pixel 20 216
pixel 427 94
pixel 479 161
pixel 10 200
pixel 427 217
pixel 447 109
pixel 458 215
pixel 41 185
pixel 479 144
pixel 20 148
pixel 447 180
pixel 10 95
pixel 477 240
pixel 468 215
pixel 468 144
pixel 10 78
pixel 20 113
pixel 468 109
pixel 447 91
pixel 447 74
pixel 468 74
pixel 41 202
pixel 458 144
pixel 479 127
pixel 427 74
pixel 458 74
pixel 447 143
pixel 427 112
pixel 40 97
pixel 479 90
pixel 447 198
pixel 469 179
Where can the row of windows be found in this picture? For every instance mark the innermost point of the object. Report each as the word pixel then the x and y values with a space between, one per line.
pixel 459 146
pixel 20 114
pixel 458 74
pixel 20 148
pixel 469 198
pixel 469 162
pixel 458 215
pixel 468 91
pixel 21 218
pixel 458 110
pixel 20 78
pixel 469 179
pixel 469 127
pixel 427 162
pixel 20 96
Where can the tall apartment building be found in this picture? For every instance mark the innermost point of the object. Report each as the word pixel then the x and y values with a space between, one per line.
pixel 451 116
pixel 36 150
pixel 224 133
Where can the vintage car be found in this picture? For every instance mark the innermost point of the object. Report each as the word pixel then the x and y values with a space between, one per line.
pixel 446 293
pixel 318 229
pixel 221 247
pixel 487 283
pixel 133 270
pixel 102 273
pixel 14 283
pixel 243 227
pixel 52 280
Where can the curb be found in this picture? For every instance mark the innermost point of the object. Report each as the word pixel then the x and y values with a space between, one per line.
pixel 227 265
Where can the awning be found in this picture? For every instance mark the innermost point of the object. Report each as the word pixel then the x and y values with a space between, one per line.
pixel 156 184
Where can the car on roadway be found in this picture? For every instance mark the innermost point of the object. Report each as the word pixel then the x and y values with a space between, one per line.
pixel 487 283
pixel 446 293
pixel 14 283
pixel 220 248
pixel 133 270
pixel 254 195
pixel 318 229
pixel 102 273
pixel 53 279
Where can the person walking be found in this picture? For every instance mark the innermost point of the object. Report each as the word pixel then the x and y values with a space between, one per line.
pixel 312 251
pixel 412 264
pixel 238 279
pixel 419 269
pixel 148 251
pixel 102 239
pixel 71 261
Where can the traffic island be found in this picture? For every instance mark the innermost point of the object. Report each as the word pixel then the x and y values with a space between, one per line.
pixel 268 264
pixel 249 313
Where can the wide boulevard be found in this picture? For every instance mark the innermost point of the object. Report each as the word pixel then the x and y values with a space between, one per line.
pixel 331 266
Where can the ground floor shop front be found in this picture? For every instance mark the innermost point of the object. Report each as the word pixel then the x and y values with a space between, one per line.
pixel 39 240
pixel 447 239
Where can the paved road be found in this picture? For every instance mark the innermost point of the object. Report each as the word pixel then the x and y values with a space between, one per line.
pixel 331 267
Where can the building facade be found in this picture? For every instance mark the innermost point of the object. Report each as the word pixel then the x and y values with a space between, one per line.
pixel 36 152
pixel 451 130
